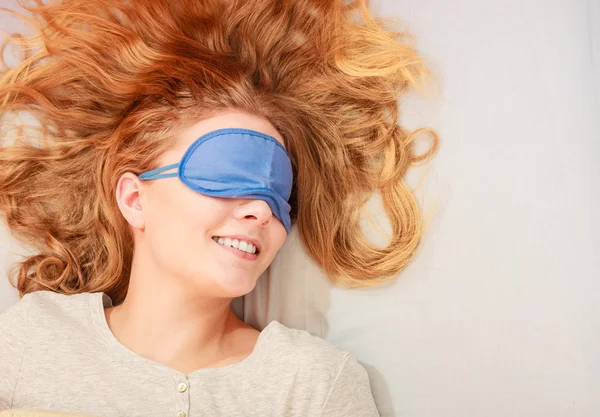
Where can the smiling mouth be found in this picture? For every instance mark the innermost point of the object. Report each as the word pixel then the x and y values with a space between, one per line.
pixel 257 252
pixel 238 253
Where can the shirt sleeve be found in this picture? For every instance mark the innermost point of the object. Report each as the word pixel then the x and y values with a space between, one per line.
pixel 13 339
pixel 350 395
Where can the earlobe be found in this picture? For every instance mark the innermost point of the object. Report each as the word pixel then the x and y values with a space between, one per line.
pixel 129 200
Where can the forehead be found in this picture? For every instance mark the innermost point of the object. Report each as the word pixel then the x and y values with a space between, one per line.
pixel 226 119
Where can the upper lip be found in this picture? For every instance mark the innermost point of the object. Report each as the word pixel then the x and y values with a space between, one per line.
pixel 255 242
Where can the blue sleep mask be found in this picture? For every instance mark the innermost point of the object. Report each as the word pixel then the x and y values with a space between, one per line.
pixel 237 163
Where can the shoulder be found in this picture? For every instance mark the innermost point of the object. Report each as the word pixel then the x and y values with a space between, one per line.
pixel 40 309
pixel 334 376
pixel 14 320
pixel 308 354
pixel 49 299
pixel 41 317
pixel 43 298
pixel 302 348
pixel 14 331
pixel 16 316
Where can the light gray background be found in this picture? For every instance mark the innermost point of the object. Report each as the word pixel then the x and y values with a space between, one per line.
pixel 498 315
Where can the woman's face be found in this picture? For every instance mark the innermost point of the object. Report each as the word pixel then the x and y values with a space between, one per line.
pixel 179 224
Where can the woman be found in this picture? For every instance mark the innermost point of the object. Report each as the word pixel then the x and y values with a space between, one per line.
pixel 265 113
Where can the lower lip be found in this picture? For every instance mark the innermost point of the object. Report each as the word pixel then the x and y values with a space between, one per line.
pixel 239 253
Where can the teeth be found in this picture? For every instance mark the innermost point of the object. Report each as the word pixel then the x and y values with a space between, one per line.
pixel 235 243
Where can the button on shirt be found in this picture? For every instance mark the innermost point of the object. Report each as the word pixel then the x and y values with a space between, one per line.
pixel 58 353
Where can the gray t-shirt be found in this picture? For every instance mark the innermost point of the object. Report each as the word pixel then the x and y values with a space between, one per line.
pixel 58 353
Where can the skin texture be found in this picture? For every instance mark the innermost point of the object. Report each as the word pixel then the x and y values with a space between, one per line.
pixel 177 310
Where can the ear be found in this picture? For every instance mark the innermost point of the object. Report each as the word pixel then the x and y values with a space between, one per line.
pixel 129 192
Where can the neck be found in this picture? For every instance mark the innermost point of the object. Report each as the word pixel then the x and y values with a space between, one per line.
pixel 174 327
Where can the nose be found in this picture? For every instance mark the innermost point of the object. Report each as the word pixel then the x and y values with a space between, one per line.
pixel 257 210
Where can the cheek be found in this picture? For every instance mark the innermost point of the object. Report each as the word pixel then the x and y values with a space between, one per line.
pixel 278 237
pixel 176 229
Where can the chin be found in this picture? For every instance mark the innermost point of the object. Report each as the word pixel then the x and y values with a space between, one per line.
pixel 233 288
